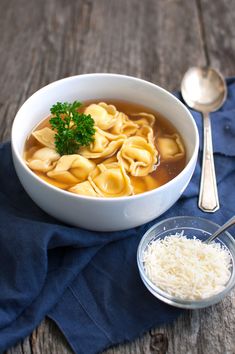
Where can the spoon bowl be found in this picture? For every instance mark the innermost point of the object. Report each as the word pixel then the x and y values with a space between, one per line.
pixel 204 89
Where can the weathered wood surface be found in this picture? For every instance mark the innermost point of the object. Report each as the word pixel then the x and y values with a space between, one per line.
pixel 157 40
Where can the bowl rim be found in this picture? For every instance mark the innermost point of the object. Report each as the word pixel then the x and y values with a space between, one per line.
pixel 56 83
pixel 173 300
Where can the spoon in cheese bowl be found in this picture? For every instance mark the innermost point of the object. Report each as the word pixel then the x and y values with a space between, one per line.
pixel 220 230
pixel 204 90
pixel 178 267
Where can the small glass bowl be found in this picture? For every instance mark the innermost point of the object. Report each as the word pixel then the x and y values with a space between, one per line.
pixel 192 226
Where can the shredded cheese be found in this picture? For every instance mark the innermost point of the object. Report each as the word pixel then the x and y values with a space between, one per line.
pixel 187 268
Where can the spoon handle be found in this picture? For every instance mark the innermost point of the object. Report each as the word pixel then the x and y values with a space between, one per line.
pixel 228 224
pixel 208 196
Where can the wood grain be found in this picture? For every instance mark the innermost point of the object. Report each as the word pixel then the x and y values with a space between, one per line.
pixel 157 40
pixel 220 34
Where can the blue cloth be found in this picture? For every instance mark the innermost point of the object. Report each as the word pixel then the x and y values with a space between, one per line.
pixel 88 282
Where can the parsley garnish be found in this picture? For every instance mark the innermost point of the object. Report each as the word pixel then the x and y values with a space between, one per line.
pixel 73 129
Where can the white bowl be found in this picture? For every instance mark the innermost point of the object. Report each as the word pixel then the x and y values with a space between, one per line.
pixel 103 214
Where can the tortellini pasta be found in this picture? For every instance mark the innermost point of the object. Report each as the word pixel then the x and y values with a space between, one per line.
pixel 111 180
pixel 146 132
pixel 143 184
pixel 124 159
pixel 170 147
pixel 43 160
pixel 124 125
pixel 46 137
pixel 144 119
pixel 138 156
pixel 72 169
pixel 55 183
pixel 83 188
pixel 105 145
pixel 103 114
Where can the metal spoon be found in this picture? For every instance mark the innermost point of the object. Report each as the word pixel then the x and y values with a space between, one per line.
pixel 221 229
pixel 204 90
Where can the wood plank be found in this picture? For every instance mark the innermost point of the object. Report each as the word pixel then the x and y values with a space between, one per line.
pixel 51 40
pixel 155 40
pixel 218 20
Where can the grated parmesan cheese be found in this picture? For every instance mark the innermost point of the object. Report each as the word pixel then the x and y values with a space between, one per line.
pixel 187 268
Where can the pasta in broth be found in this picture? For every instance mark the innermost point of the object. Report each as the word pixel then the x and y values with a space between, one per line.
pixel 133 151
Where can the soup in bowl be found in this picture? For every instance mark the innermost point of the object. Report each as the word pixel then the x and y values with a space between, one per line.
pixel 116 160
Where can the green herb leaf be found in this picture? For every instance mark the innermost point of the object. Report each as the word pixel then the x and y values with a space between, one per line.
pixel 73 129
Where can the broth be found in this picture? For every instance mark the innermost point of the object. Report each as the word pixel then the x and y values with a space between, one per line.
pixel 165 170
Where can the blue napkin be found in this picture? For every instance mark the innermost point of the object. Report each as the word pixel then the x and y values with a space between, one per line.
pixel 88 282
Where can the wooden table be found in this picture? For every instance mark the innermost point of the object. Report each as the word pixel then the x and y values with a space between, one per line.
pixel 157 40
